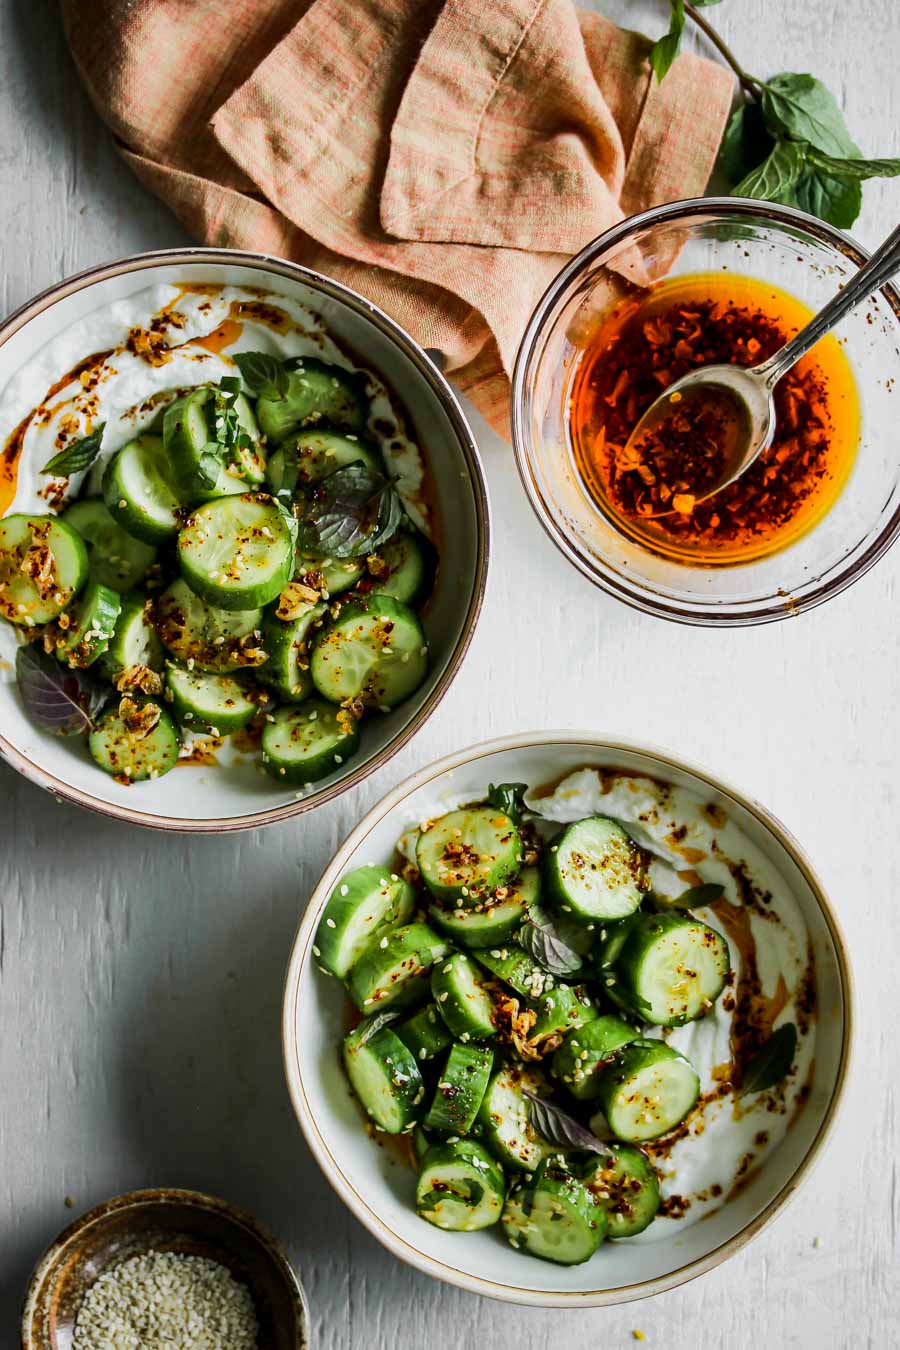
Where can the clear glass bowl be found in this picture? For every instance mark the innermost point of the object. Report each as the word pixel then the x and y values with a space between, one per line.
pixel 774 244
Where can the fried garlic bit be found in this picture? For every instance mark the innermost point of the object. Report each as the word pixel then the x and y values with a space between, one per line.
pixel 295 599
pixel 37 563
pixel 514 1023
pixel 139 677
pixel 138 719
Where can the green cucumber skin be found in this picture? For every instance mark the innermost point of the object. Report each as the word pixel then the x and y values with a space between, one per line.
pixel 585 1048
pixel 425 1034
pixel 20 601
pixel 304 460
pixel 460 1089
pixel 561 878
pixel 644 930
pixel 450 878
pixel 467 1012
pixel 554 1190
pixel 134 642
pixel 395 648
pixel 115 558
pixel 460 924
pixel 412 562
pixel 218 518
pixel 329 576
pixel 299 767
pixel 190 629
pixel 627 1189
pixel 628 1063
pixel 93 625
pixel 287 644
pixel 394 904
pixel 483 1173
pixel 563 1008
pixel 186 701
pixel 318 394
pixel 523 1150
pixel 414 947
pixel 131 516
pixel 116 753
pixel 407 1088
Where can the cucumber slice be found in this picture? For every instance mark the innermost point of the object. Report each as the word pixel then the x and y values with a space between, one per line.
pixel 490 925
pixel 316 394
pixel 626 1188
pixel 461 1189
pixel 460 1089
pixel 384 1076
pixel 196 460
pixel 517 969
pixel 237 552
pixel 375 650
pixel 647 1091
pixel 329 576
pixel 395 971
pixel 671 968
pixel 409 562
pixel 205 702
pixel 43 565
pixel 129 758
pixel 308 742
pixel 425 1034
pixel 586 1049
pixel 562 1008
pixel 610 941
pixel 213 639
pixel 421 1143
pixel 92 622
pixel 467 854
pixel 555 1217
pixel 462 999
pixel 286 643
pixel 306 459
pixel 115 558
pixel 506 1120
pixel 365 905
pixel 140 491
pixel 134 642
pixel 595 870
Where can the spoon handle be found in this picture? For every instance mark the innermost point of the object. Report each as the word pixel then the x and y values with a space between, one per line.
pixel 882 265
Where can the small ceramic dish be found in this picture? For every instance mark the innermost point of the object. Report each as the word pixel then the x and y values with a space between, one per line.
pixel 214 798
pixel 185 1222
pixel 756 240
pixel 377 1185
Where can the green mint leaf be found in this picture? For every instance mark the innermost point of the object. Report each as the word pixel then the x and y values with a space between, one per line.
pixel 60 700
pixel 802 108
pixel 698 896
pixel 665 49
pixel 852 168
pixel 546 943
pixel 746 142
pixel 76 457
pixel 508 798
pixel 776 176
pixel 773 1062
pixel 837 200
pixel 264 376
pixel 350 513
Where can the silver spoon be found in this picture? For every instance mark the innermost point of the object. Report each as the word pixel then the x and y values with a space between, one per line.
pixel 744 394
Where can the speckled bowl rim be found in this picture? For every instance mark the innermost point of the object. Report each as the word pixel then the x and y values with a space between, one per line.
pixel 163 1195
pixel 429 372
pixel 300 962
pixel 634 593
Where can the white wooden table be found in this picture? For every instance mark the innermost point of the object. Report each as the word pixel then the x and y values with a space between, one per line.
pixel 140 975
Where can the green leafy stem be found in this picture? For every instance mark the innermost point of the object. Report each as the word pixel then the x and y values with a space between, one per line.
pixel 787 140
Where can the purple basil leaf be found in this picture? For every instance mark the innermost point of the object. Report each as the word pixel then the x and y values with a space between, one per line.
pixel 60 700
pixel 558 1127
pixel 544 942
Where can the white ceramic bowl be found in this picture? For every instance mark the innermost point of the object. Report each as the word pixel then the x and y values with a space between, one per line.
pixel 379 1190
pixel 199 798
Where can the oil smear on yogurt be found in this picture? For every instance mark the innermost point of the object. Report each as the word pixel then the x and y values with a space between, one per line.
pixel 691 842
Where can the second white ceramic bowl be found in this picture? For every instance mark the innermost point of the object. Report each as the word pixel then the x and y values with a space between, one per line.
pixel 379 1189
pixel 200 798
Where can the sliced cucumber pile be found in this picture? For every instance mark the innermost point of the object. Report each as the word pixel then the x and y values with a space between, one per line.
pixel 250 540
pixel 538 1016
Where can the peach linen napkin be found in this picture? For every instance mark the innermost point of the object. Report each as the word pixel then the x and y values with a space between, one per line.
pixel 444 157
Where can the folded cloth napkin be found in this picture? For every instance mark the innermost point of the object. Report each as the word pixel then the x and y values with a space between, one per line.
pixel 444 157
